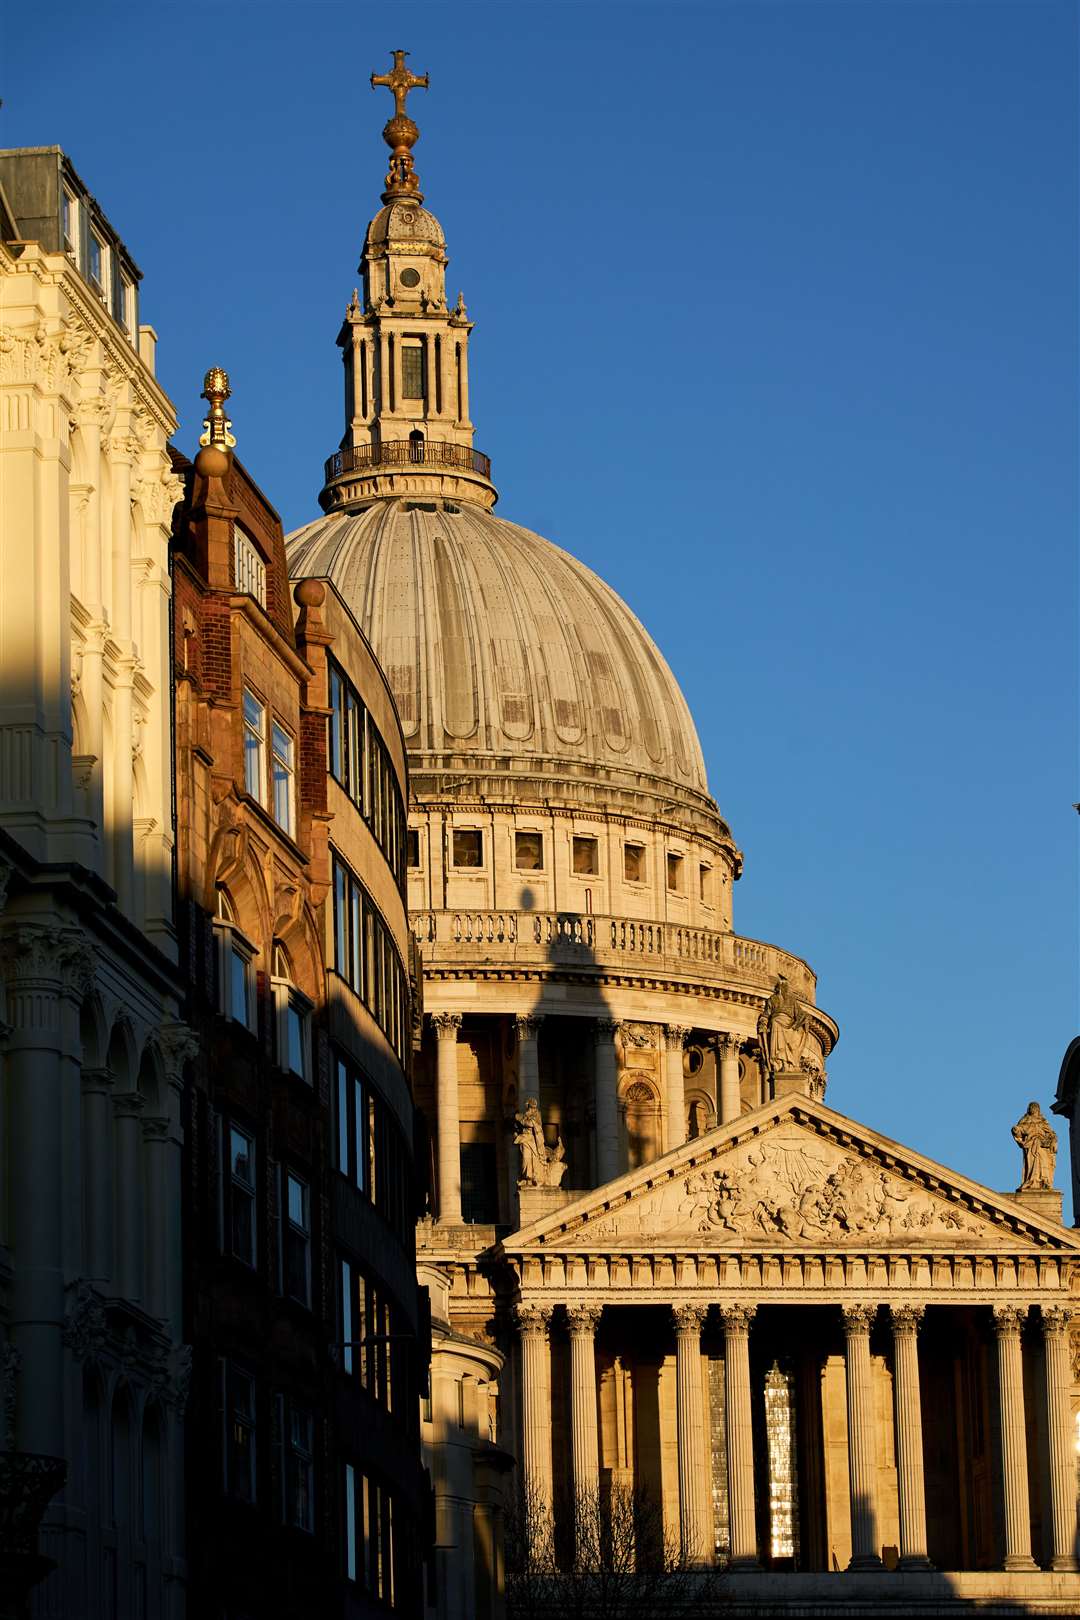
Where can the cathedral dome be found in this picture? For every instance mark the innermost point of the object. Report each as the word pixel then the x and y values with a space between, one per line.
pixel 505 654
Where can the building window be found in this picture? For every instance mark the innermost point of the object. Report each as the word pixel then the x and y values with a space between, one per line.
pixel 586 854
pixel 282 767
pixel 675 873
pixel 70 222
pixel 297 1467
pixel 249 570
pixel 239 1432
pixel 412 371
pixel 412 847
pixel 468 846
pixel 236 970
pixel 634 863
pixel 529 851
pixel 369 1148
pixel 97 263
pixel 297 1244
pixel 255 747
pixel 479 1183
pixel 292 1011
pixel 361 762
pixel 366 957
pixel 703 885
pixel 240 1195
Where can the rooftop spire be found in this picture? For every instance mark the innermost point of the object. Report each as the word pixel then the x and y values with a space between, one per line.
pixel 400 133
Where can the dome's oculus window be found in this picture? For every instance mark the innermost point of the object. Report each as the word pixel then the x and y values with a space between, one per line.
pixel 529 851
pixel 410 277
pixel 634 863
pixel 468 846
pixel 586 857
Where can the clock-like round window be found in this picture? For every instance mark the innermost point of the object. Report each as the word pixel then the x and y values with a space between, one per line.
pixel 410 278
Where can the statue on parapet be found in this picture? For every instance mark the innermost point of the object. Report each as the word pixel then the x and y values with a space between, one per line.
pixel 541 1166
pixel 1038 1141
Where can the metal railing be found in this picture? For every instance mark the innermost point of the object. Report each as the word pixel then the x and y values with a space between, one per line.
pixel 418 452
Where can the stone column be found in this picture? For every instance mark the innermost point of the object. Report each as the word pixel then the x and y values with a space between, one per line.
pixel 674 1041
pixel 729 1100
pixel 99 1185
pixel 862 1460
pixel 740 1434
pixel 909 1440
pixel 533 1323
pixel 130 1228
pixel 178 1046
pixel 605 1031
pixel 429 377
pixel 584 1447
pixel 447 1122
pixel 382 373
pixel 1008 1322
pixel 527 1030
pixel 695 1520
pixel 1055 1327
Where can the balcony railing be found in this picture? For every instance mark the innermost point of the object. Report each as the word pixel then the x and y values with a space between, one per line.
pixel 407 453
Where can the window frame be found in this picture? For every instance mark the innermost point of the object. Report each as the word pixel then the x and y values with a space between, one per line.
pixel 472 832
pixel 289 1451
pixel 255 747
pixel 297 1234
pixel 99 281
pixel 69 204
pixel 528 832
pixel 642 850
pixel 249 566
pixel 234 946
pixel 231 1373
pixel 233 1189
pixel 581 839
pixel 285 762
pixel 414 351
pixel 289 999
pixel 675 864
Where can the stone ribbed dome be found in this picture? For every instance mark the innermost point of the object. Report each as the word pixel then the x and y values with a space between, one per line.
pixel 405 221
pixel 504 653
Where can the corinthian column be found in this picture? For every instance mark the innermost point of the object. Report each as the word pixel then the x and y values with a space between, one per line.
pixel 909 1441
pixel 730 1100
pixel 862 1462
pixel 740 1434
pixel 584 1450
pixel 607 1101
pixel 674 1041
pixel 695 1524
pixel 1055 1328
pixel 533 1322
pixel 527 1029
pixel 447 1121
pixel 1008 1321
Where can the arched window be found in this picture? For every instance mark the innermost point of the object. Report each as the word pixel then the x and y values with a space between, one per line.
pixel 292 1018
pixel 236 966
pixel 416 445
pixel 642 1116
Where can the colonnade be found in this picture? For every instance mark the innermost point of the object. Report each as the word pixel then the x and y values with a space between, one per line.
pixel 534 1319
pixel 605 1034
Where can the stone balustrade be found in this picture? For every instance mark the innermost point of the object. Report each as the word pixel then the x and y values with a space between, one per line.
pixel 569 939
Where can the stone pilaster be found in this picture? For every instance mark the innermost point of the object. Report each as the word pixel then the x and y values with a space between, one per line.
pixel 447 1119
pixel 131 1227
pixel 736 1321
pixel 606 1074
pixel 583 1321
pixel 730 1100
pixel 527 1030
pixel 675 1037
pixel 1055 1329
pixel 909 1439
pixel 862 1462
pixel 533 1323
pixel 695 1519
pixel 1008 1323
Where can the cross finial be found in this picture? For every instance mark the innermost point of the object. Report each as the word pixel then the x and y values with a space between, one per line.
pixel 400 133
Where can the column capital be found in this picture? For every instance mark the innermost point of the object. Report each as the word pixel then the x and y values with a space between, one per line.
pixel 1055 1320
pixel 34 955
pixel 177 1045
pixel 128 1104
pixel 736 1317
pixel 584 1319
pixel 676 1036
pixel 606 1029
pixel 858 1319
pixel 727 1043
pixel 532 1319
pixel 906 1318
pixel 1008 1320
pixel 689 1319
pixel 445 1025
pixel 527 1025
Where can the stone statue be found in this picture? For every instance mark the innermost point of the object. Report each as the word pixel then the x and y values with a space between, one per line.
pixel 1038 1139
pixel 541 1166
pixel 783 1029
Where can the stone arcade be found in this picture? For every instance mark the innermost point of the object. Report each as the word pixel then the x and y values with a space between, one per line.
pixel 656 1256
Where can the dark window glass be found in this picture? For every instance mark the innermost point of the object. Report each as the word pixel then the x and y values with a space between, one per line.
pixel 297 1240
pixel 468 847
pixel 413 845
pixel 239 1423
pixel 241 1195
pixel 634 863
pixel 586 857
pixel 479 1183
pixel 675 873
pixel 299 1468
pixel 529 851
pixel 412 371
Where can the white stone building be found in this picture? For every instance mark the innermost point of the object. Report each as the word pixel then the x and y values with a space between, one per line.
pixel 679 1271
pixel 91 1051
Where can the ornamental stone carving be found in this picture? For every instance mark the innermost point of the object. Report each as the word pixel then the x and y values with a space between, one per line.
pixel 584 1320
pixel 541 1166
pixel 784 1030
pixel 736 1318
pixel 858 1319
pixel 532 1318
pixel 527 1026
pixel 676 1036
pixel 689 1319
pixel 85 1331
pixel 446 1025
pixel 606 1029
pixel 176 1045
pixel 37 956
pixel 1055 1319
pixel 1008 1319
pixel 906 1318
pixel 1037 1140
pixel 642 1036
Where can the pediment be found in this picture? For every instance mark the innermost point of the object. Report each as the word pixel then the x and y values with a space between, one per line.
pixel 793 1175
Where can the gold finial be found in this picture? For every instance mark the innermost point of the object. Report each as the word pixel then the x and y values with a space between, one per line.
pixel 217 429
pixel 400 133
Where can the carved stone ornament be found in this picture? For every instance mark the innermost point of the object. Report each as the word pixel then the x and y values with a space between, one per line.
pixel 784 1029
pixel 906 1318
pixel 727 1044
pixel 1055 1319
pixel 10 1362
pixel 34 354
pixel 584 1319
pixel 858 1319
pixel 689 1319
pixel 1037 1140
pixel 676 1036
pixel 446 1025
pixel 531 1318
pixel 642 1036
pixel 85 1331
pixel 179 1377
pixel 541 1166
pixel 177 1045
pixel 1009 1319
pixel 37 955
pixel 527 1026
pixel 736 1318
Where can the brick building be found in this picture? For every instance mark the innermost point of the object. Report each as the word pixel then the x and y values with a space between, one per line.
pixel 305 1488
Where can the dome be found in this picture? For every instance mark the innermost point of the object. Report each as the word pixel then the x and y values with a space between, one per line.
pixel 405 221
pixel 505 654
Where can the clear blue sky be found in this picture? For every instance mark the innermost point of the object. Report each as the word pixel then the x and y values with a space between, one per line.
pixel 777 330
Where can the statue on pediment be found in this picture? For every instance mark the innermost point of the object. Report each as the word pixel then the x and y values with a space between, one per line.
pixel 1037 1139
pixel 784 1029
pixel 541 1166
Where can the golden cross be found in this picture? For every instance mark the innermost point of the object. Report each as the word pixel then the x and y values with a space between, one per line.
pixel 400 81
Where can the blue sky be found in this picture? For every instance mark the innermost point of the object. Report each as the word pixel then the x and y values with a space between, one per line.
pixel 777 330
